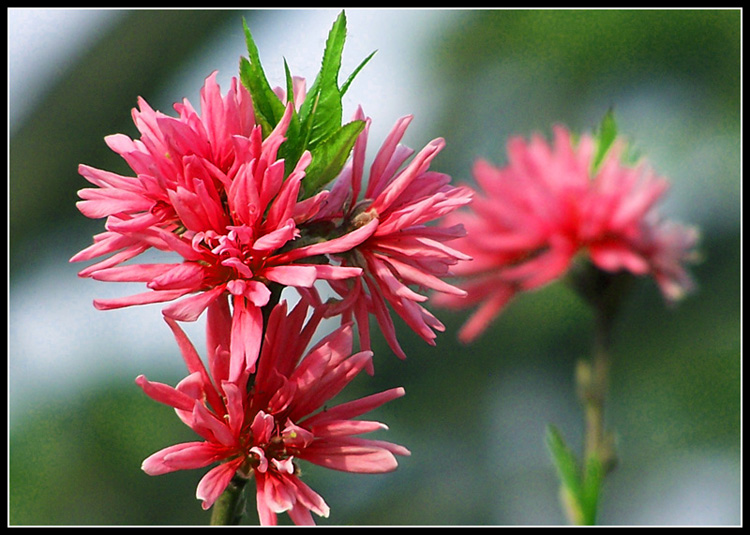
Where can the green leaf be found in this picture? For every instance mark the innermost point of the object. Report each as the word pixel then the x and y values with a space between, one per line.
pixel 606 137
pixel 355 73
pixel 267 105
pixel 593 476
pixel 565 461
pixel 329 157
pixel 316 126
pixel 323 101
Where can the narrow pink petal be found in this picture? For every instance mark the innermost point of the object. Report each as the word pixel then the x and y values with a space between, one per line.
pixel 138 299
pixel 328 272
pixel 489 310
pixel 292 275
pixel 383 160
pixel 187 275
pixel 265 514
pixel 334 428
pixel 165 394
pixel 235 406
pixel 355 408
pixel 300 515
pixel 277 238
pixel 336 245
pixel 309 499
pixel 418 165
pixel 190 308
pixel 613 257
pixel 154 465
pixel 196 456
pixel 100 203
pixel 215 482
pixel 422 278
pixel 247 333
pixel 131 273
pixel 218 338
pixel 210 427
pixel 348 458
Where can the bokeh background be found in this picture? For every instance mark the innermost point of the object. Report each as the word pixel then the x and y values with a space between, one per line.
pixel 474 416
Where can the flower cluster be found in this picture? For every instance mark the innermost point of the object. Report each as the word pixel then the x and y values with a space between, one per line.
pixel 258 425
pixel 555 204
pixel 239 193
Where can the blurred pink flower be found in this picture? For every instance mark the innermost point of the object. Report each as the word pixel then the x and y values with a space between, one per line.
pixel 258 426
pixel 548 206
pixel 401 199
pixel 211 189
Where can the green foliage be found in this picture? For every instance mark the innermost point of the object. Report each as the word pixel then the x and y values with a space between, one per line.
pixel 605 137
pixel 316 126
pixel 580 489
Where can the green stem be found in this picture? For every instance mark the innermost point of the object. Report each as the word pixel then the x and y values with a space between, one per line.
pixel 230 507
pixel 594 393
pixel 603 292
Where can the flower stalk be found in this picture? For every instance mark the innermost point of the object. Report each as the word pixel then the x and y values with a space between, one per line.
pixel 230 507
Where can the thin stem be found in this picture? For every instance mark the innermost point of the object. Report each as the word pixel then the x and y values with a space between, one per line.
pixel 230 506
pixel 603 292
pixel 594 393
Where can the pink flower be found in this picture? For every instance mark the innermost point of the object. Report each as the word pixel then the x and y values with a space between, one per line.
pixel 211 189
pixel 547 207
pixel 401 199
pixel 258 426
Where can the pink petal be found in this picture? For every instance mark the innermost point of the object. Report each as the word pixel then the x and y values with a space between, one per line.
pixel 190 308
pixel 216 481
pixel 247 333
pixel 154 465
pixel 336 245
pixel 350 458
pixel 131 273
pixel 139 299
pixel 292 275
pixel 355 408
pixel 165 394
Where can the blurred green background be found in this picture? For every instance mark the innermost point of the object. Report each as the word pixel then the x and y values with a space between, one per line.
pixel 474 416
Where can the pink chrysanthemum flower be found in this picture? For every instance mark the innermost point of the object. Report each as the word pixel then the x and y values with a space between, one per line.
pixel 260 425
pixel 211 189
pixel 401 199
pixel 546 207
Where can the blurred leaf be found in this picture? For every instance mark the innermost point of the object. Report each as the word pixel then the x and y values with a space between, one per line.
pixel 605 137
pixel 593 477
pixel 565 461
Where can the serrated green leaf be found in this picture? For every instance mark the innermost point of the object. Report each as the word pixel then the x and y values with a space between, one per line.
pixel 349 80
pixel 324 98
pixel 267 105
pixel 329 157
pixel 605 137
pixel 291 150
